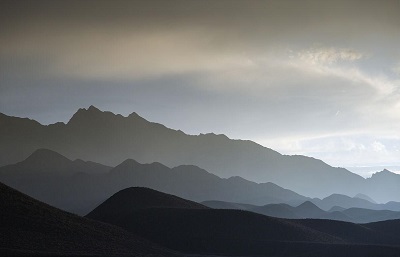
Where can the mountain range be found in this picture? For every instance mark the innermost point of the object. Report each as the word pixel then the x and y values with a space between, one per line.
pixel 174 223
pixel 309 210
pixel 144 222
pixel 110 139
pixel 65 184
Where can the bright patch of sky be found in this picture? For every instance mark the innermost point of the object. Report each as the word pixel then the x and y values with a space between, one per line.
pixel 302 77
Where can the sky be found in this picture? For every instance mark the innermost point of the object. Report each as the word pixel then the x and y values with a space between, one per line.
pixel 318 78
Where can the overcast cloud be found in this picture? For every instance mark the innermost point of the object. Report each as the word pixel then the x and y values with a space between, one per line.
pixel 301 77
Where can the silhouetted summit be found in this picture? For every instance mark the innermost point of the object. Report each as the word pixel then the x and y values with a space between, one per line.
pixel 135 198
pixel 128 164
pixel 308 209
pixel 45 159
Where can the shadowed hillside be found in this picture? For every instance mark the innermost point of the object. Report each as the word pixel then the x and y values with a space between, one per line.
pixel 135 198
pixel 235 232
pixel 29 227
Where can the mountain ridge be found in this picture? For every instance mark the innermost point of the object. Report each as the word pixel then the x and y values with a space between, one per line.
pixel 108 138
pixel 89 189
pixel 309 210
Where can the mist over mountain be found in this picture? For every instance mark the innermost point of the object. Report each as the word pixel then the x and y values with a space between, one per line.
pixel 110 139
pixel 79 186
pixel 309 210
pixel 383 183
pixel 54 179
pixel 65 184
pixel 345 202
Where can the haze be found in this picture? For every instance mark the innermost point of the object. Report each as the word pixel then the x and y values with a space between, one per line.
pixel 315 78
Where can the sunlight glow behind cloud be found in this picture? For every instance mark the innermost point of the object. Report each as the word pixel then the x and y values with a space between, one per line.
pixel 302 77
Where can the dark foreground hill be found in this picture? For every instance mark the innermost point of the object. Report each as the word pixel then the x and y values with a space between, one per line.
pixel 29 227
pixel 110 139
pixel 131 199
pixel 236 232
pixel 58 181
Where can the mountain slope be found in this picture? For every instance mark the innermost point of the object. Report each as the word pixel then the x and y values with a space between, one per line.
pixel 235 232
pixel 54 179
pixel 29 227
pixel 134 198
pixel 67 186
pixel 177 227
pixel 107 138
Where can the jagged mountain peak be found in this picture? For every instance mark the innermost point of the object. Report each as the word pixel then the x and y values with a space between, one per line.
pixel 92 108
pixel 93 114
pixel 384 173
pixel 134 115
pixel 84 114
